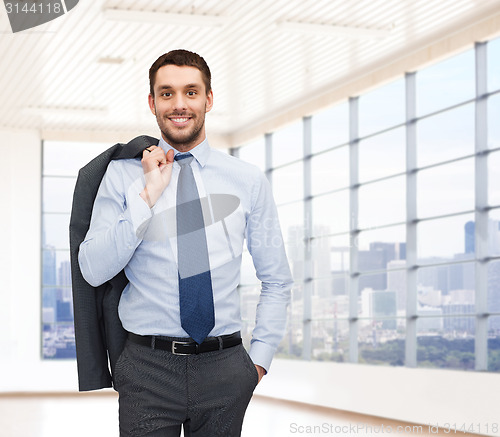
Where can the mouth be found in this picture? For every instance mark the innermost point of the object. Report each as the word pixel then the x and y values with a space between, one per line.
pixel 179 121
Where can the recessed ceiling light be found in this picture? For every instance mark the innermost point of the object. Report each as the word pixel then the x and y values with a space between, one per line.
pixel 65 110
pixel 334 30
pixel 164 18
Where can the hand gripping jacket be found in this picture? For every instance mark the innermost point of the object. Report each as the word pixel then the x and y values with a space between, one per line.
pixel 99 334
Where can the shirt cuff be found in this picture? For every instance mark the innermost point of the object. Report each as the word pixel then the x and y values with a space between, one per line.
pixel 261 354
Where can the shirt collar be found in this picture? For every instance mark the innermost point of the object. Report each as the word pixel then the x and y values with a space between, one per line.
pixel 201 152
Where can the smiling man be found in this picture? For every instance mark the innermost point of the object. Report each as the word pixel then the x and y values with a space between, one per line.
pixel 175 222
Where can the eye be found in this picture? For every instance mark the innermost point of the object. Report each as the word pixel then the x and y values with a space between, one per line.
pixel 166 94
pixel 191 93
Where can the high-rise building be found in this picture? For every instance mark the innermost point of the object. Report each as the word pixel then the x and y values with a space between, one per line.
pixel 470 244
pixel 381 304
pixel 378 257
pixel 396 280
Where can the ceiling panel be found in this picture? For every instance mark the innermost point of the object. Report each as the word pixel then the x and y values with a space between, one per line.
pixel 85 72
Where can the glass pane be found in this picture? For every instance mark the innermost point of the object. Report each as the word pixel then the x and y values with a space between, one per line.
pixel 292 221
pixel 372 282
pixel 445 136
pixel 55 228
pixel 254 153
pixel 330 170
pixel 494 287
pixel 443 239
pixel 446 189
pixel 446 343
pixel 384 243
pixel 445 84
pixel 246 330
pixel 382 202
pixel 446 289
pixel 295 254
pixel 57 305
pixel 494 179
pixel 493 124
pixel 330 213
pixel 493 65
pixel 247 272
pixel 333 249
pixel 320 258
pixel 288 183
pixel 292 344
pixel 329 297
pixel 287 144
pixel 382 108
pixel 56 268
pixel 330 341
pixel 66 158
pixel 382 339
pixel 59 341
pixel 382 155
pixel 58 194
pixel 330 127
pixel 494 233
pixel 388 281
pixel 494 344
pixel 396 281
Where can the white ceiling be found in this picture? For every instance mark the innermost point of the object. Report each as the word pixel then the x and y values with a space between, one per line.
pixel 87 72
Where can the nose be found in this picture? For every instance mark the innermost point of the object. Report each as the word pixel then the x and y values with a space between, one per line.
pixel 180 102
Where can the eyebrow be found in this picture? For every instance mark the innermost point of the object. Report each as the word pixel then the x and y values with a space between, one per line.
pixel 190 85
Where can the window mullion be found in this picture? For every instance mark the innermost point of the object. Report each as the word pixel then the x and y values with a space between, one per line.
pixel 481 214
pixel 411 222
pixel 353 227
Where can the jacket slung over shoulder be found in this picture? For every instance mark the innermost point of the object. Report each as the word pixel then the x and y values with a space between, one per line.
pixel 99 334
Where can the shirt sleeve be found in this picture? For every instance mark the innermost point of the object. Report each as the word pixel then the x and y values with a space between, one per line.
pixel 119 219
pixel 265 244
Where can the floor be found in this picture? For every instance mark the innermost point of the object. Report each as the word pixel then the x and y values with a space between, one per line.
pixel 95 415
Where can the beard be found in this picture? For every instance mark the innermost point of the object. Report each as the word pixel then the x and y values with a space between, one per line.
pixel 182 138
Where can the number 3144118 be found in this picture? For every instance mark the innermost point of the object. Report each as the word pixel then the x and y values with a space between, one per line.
pixel 34 8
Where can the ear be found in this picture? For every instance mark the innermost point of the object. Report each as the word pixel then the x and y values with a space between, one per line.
pixel 151 101
pixel 210 101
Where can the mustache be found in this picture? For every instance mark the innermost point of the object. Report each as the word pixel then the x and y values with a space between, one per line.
pixel 181 114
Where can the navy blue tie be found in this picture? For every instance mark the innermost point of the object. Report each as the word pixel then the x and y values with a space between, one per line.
pixel 195 282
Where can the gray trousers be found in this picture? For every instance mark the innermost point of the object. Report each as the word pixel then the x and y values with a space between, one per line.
pixel 159 392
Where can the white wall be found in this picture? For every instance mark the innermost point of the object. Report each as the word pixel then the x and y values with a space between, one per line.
pixel 423 396
pixel 21 367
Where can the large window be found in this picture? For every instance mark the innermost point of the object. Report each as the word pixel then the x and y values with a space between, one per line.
pixel 390 209
pixel 61 162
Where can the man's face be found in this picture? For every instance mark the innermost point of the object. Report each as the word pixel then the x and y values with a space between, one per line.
pixel 180 104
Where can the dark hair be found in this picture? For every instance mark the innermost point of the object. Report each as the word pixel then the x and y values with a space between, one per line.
pixel 181 58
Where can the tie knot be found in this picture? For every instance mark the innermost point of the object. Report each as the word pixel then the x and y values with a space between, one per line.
pixel 184 158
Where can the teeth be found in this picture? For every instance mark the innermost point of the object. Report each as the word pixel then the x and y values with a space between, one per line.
pixel 180 120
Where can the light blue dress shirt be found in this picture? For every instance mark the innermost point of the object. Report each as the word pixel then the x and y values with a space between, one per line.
pixel 237 204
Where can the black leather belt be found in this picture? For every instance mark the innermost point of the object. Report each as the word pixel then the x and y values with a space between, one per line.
pixel 181 347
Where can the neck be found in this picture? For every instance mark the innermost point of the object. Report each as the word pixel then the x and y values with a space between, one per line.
pixel 183 147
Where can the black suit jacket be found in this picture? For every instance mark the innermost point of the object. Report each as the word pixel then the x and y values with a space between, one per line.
pixel 99 334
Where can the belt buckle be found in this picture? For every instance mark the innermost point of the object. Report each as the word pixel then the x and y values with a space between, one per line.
pixel 174 343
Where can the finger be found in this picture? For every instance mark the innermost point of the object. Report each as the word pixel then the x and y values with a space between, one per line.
pixel 170 156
